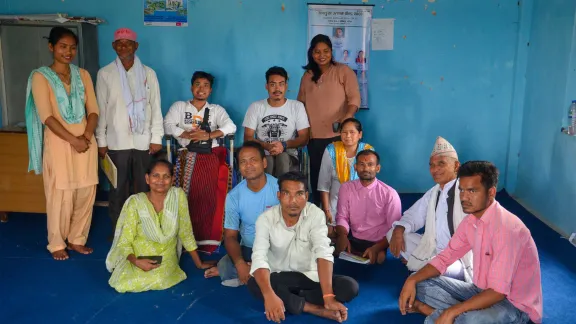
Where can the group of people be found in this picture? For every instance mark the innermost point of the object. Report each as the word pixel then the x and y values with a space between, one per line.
pixel 474 263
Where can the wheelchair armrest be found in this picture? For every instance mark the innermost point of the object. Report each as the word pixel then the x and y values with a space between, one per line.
pixel 172 140
pixel 176 145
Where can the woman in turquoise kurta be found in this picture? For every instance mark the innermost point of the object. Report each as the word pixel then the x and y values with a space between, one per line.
pixel 152 224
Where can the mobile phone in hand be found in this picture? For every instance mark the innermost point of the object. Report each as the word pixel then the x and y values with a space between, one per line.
pixel 336 127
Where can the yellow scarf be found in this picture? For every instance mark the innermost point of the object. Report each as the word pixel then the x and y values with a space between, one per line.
pixel 340 160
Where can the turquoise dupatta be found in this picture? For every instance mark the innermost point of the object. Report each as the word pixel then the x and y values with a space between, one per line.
pixel 71 108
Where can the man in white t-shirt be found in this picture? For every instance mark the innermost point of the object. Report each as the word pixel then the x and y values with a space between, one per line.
pixel 279 124
pixel 185 117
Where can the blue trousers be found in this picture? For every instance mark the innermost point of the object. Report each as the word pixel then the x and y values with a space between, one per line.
pixel 226 267
pixel 443 292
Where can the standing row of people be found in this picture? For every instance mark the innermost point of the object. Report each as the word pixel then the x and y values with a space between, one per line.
pixel 121 118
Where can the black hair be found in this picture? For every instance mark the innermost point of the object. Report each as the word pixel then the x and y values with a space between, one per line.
pixel 368 152
pixel 202 75
pixel 57 33
pixel 486 170
pixel 293 176
pixel 276 70
pixel 254 145
pixel 356 122
pixel 312 65
pixel 160 161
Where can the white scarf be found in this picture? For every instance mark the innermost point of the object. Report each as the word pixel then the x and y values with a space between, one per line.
pixel 426 250
pixel 136 105
pixel 154 231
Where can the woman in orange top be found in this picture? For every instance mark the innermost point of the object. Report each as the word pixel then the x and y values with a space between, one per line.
pixel 330 93
pixel 61 97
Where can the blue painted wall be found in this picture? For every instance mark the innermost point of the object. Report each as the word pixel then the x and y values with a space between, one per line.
pixel 546 180
pixel 451 72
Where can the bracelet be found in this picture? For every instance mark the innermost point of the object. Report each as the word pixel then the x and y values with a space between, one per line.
pixel 284 146
pixel 328 295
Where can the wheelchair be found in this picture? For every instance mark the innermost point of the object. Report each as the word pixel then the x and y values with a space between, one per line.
pixel 173 147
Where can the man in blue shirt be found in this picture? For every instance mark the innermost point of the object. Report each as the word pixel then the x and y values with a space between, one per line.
pixel 250 198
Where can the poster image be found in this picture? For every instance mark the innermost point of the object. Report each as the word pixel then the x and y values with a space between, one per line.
pixel 166 13
pixel 349 29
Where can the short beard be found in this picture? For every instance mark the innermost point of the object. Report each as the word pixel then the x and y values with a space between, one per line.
pixel 487 204
pixel 366 179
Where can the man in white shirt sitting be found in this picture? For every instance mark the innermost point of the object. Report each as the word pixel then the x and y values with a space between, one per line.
pixel 279 124
pixel 439 211
pixel 130 121
pixel 201 168
pixel 292 258
pixel 185 117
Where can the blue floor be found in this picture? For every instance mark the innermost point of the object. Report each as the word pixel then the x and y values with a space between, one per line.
pixel 36 289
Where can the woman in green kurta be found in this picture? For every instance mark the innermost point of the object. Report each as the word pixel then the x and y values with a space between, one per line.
pixel 152 224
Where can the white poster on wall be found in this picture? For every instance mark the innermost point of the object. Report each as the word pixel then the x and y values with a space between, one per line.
pixel 382 34
pixel 349 28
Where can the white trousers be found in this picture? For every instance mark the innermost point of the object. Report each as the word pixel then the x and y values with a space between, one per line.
pixel 412 240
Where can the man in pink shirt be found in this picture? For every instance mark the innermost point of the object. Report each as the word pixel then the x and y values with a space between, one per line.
pixel 506 288
pixel 367 207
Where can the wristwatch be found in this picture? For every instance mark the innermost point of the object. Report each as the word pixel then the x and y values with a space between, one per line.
pixel 284 146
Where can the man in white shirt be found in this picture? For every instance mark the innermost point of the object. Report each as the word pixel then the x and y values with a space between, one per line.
pixel 292 258
pixel 279 124
pixel 130 123
pixel 439 211
pixel 185 117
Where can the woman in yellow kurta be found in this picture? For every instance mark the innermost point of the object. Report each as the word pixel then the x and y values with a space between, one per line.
pixel 151 230
pixel 61 97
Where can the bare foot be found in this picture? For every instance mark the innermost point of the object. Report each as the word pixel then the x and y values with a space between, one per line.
pixel 80 248
pixel 60 255
pixel 212 272
pixel 420 307
pixel 323 312
pixel 381 257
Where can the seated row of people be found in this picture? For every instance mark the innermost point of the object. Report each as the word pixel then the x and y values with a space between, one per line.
pixel 285 256
pixel 287 263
